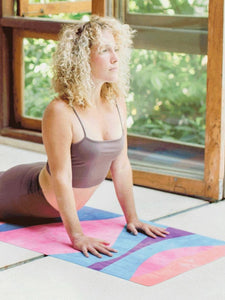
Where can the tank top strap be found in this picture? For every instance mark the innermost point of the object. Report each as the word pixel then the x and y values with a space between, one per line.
pixel 119 115
pixel 79 121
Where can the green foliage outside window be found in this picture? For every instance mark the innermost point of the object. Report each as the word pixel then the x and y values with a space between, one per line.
pixel 167 96
pixel 169 7
pixel 37 59
pixel 48 1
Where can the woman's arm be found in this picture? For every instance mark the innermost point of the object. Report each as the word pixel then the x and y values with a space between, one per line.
pixel 123 181
pixel 57 138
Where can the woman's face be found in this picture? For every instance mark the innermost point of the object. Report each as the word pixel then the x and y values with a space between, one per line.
pixel 104 59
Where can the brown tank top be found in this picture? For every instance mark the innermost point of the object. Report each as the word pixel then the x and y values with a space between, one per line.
pixel 91 160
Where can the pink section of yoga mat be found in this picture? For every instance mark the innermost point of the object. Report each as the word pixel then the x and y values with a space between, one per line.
pixel 52 238
pixel 162 259
pixel 180 266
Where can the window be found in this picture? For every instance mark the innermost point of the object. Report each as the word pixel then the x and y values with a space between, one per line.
pixel 169 69
pixel 172 125
pixel 167 102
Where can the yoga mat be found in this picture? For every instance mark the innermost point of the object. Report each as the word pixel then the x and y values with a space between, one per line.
pixel 140 259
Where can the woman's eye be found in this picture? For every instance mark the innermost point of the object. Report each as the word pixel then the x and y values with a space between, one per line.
pixel 103 50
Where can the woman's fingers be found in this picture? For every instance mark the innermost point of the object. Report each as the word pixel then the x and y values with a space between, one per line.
pixel 153 231
pixel 105 251
pixel 97 247
pixel 131 228
pixel 161 232
pixel 85 251
pixel 150 232
pixel 93 251
pixel 112 250
pixel 148 229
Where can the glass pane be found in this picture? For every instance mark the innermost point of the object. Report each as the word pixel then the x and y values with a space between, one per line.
pixel 49 1
pixel 169 7
pixel 55 14
pixel 167 96
pixel 37 59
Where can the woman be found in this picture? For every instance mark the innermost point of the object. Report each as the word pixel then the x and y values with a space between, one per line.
pixel 84 133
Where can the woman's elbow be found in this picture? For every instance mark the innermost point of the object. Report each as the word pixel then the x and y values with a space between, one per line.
pixel 62 179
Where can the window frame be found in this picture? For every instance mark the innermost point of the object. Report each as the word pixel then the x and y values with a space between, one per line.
pixel 12 30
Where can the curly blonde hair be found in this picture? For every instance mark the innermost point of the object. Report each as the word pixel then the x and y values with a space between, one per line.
pixel 71 62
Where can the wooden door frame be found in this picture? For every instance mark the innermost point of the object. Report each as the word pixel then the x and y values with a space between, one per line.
pixel 215 113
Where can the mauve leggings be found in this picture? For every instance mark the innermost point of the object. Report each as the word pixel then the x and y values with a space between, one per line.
pixel 21 195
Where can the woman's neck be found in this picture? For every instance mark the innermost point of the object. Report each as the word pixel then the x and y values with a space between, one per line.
pixel 96 94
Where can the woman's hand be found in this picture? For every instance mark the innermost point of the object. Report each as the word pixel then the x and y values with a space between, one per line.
pixel 87 244
pixel 148 229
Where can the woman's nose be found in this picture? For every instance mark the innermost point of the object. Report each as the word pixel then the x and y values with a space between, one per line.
pixel 114 57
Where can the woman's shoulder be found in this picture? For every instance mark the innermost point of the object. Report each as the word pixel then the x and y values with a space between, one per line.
pixel 56 105
pixel 56 120
pixel 57 108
